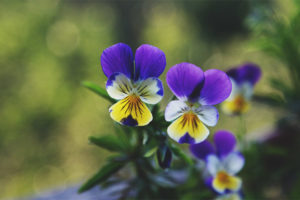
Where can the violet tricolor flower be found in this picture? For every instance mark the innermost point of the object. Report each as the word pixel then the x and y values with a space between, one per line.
pixel 222 162
pixel 133 85
pixel 243 80
pixel 197 92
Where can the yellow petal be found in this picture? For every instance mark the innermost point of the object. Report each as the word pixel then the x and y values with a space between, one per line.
pixel 224 181
pixel 131 111
pixel 188 129
pixel 236 106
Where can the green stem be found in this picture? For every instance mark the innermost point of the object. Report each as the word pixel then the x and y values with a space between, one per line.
pixel 241 134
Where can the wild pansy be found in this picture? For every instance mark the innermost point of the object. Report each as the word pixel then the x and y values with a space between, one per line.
pixel 243 79
pixel 197 92
pixel 133 82
pixel 222 162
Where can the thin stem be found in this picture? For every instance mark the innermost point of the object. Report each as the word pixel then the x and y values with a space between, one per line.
pixel 241 134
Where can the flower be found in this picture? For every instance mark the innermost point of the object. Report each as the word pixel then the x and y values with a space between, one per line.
pixel 243 79
pixel 133 85
pixel 196 91
pixel 230 196
pixel 222 163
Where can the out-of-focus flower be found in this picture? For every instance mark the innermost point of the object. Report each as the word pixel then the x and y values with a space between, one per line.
pixel 243 79
pixel 133 85
pixel 197 92
pixel 230 196
pixel 222 162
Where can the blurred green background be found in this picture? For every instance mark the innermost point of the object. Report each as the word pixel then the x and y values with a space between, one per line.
pixel 48 47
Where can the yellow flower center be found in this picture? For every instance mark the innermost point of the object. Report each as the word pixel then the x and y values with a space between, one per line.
pixel 240 103
pixel 223 181
pixel 236 106
pixel 191 120
pixel 223 177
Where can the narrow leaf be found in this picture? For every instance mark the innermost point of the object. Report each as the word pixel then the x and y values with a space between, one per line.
pixel 150 152
pixel 271 99
pixel 108 142
pixel 179 153
pixel 98 90
pixel 102 175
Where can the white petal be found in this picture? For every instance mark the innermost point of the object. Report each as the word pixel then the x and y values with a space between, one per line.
pixel 213 164
pixel 246 90
pixel 234 91
pixel 150 90
pixel 209 115
pixel 118 86
pixel 175 109
pixel 233 163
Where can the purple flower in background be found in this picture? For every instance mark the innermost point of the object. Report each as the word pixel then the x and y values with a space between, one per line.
pixel 197 92
pixel 133 82
pixel 222 162
pixel 243 79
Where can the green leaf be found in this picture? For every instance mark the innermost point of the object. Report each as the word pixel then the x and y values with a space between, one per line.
pixel 271 99
pixel 150 152
pixel 98 90
pixel 108 142
pixel 102 175
pixel 179 153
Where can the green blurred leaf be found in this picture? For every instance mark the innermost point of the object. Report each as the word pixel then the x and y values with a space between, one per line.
pixel 150 152
pixel 108 142
pixel 98 90
pixel 179 153
pixel 271 100
pixel 102 175
pixel 281 86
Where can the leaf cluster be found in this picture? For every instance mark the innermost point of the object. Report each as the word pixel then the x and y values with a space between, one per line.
pixel 146 152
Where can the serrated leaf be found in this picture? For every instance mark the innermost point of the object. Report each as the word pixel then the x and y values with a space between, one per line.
pixel 179 153
pixel 102 175
pixel 108 142
pixel 98 90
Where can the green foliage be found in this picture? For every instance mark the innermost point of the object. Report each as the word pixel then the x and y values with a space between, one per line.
pixel 281 40
pixel 178 152
pixel 98 90
pixel 151 152
pixel 102 175
pixel 108 142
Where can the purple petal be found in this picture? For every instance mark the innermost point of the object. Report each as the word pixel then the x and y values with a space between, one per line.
pixel 202 150
pixel 208 182
pixel 184 79
pixel 217 87
pixel 247 72
pixel 117 59
pixel 186 139
pixel 150 61
pixel 129 121
pixel 225 142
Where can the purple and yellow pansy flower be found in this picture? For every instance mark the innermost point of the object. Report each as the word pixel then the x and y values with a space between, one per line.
pixel 222 162
pixel 243 79
pixel 133 81
pixel 197 92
